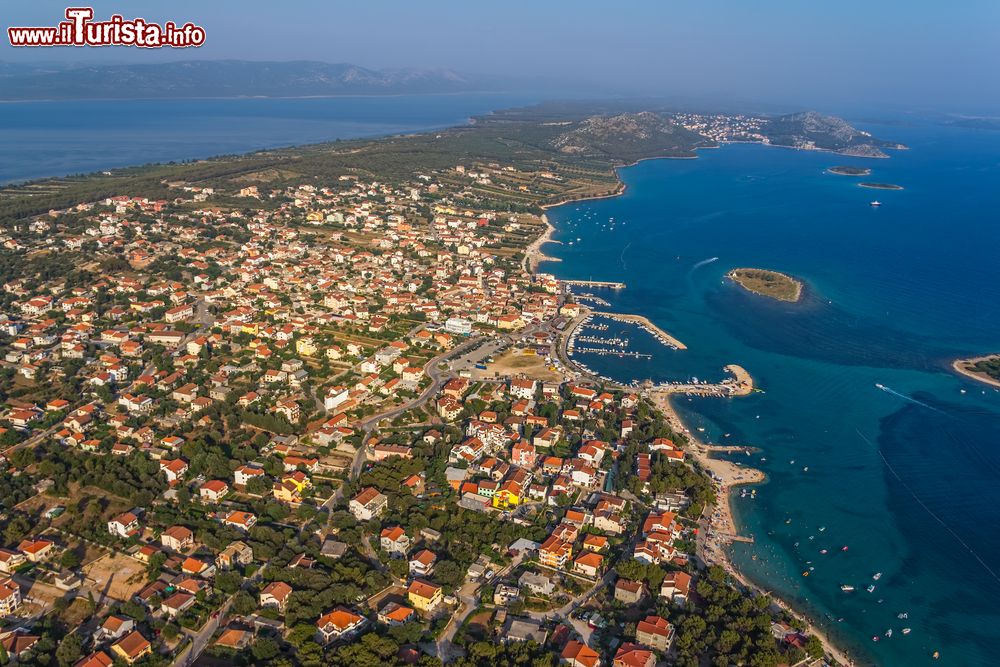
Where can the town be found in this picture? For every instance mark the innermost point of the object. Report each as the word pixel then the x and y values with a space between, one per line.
pixel 312 422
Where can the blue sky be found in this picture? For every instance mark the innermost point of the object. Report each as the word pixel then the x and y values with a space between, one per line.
pixel 843 52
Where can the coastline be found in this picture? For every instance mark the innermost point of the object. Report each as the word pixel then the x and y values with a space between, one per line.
pixel 961 366
pixel 732 476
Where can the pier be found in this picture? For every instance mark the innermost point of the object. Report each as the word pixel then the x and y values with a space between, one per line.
pixel 740 384
pixel 645 324
pixel 595 283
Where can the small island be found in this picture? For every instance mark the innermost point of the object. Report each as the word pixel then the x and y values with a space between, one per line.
pixel 984 369
pixel 850 171
pixel 767 283
pixel 881 186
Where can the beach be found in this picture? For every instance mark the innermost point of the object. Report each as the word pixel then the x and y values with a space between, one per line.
pixel 963 367
pixel 533 255
pixel 719 526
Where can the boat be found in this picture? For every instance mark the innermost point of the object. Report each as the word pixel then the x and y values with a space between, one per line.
pixel 875 203
pixel 806 573
pixel 806 469
pixel 906 631
pixel 936 655
pixel 847 588
pixel 823 551
pixel 903 615
pixel 888 633
pixel 879 385
pixel 874 638
pixel 871 588
pixel 843 548
pixel 876 576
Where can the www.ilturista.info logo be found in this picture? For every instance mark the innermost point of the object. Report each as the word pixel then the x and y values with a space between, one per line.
pixel 81 30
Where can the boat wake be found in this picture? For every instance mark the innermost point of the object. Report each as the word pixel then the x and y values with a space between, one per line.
pixel 704 262
pixel 927 509
pixel 890 390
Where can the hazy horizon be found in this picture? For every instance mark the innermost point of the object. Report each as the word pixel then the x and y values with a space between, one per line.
pixel 893 54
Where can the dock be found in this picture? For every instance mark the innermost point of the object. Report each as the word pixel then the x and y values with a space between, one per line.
pixel 646 324
pixel 595 283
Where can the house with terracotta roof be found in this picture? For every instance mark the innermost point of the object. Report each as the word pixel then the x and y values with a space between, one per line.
pixel 589 564
pixel 578 654
pixel 240 520
pixel 424 595
pixel 11 560
pixel 36 549
pixel 676 587
pixel 124 525
pixel 394 541
pixel 95 659
pixel 132 647
pixel 275 594
pixel 633 655
pixel 174 469
pixel 177 538
pixel 114 628
pixel 628 591
pixel 422 563
pixel 10 597
pixel 338 624
pixel 177 604
pixel 655 632
pixel 368 504
pixel 213 490
pixel 393 613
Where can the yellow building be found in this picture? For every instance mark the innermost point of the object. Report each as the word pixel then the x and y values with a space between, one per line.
pixel 306 347
pixel 424 595
pixel 508 496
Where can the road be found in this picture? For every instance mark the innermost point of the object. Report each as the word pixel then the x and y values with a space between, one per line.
pixel 200 639
pixel 438 378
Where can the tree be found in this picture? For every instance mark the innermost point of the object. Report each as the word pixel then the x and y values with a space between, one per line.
pixel 70 650
pixel 264 648
pixel 69 559
pixel 155 565
pixel 244 604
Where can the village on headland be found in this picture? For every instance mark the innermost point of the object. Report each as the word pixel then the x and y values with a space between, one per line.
pixel 289 419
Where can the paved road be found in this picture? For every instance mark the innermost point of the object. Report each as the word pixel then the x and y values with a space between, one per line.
pixel 200 639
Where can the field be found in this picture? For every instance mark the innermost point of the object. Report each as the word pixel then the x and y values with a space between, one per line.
pixel 116 576
pixel 516 362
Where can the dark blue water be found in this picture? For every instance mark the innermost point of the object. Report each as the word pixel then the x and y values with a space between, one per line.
pixel 908 479
pixel 39 139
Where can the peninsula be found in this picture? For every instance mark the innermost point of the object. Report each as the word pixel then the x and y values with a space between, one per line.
pixel 982 369
pixel 767 283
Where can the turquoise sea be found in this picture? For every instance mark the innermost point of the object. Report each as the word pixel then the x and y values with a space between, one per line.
pixel 908 478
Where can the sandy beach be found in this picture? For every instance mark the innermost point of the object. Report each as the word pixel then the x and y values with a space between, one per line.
pixel 964 367
pixel 533 255
pixel 720 526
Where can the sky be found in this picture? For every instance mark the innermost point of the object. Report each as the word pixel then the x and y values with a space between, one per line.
pixel 939 55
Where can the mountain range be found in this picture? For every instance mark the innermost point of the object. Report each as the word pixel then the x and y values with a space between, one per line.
pixel 226 78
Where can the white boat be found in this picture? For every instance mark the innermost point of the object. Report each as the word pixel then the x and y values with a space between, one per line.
pixel 876 203
pixel 906 631
pixel 888 633
pixel 877 576
pixel 847 588
pixel 871 588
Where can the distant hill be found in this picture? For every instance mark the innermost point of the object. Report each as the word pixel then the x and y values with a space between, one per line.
pixel 225 78
pixel 810 130
pixel 629 137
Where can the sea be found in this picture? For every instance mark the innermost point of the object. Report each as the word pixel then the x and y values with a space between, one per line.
pixel 875 452
pixel 59 138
